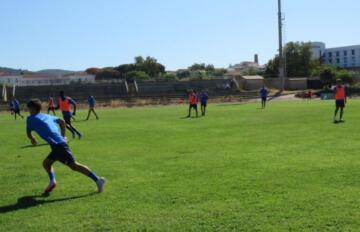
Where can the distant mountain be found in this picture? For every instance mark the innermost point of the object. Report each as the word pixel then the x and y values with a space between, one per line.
pixel 54 72
pixel 12 71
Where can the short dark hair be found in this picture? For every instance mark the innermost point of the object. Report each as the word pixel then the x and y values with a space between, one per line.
pixel 34 104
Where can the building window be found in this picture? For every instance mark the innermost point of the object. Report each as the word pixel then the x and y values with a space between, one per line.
pixel 330 54
pixel 330 61
pixel 338 61
pixel 337 53
pixel 345 53
pixel 345 60
pixel 353 52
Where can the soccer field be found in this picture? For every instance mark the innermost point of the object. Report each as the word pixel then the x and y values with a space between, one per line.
pixel 286 168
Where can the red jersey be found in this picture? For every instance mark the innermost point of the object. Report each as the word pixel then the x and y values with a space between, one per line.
pixel 340 92
pixel 193 99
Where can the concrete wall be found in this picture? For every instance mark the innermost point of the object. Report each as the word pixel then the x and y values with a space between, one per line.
pixel 109 91
pixel 290 84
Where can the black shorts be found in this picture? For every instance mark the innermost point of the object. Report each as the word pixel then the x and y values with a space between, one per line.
pixel 340 103
pixel 204 104
pixel 62 153
pixel 16 111
pixel 194 106
pixel 264 98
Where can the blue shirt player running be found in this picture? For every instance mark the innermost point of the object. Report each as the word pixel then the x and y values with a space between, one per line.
pixel 91 103
pixel 204 97
pixel 264 95
pixel 47 127
pixel 16 105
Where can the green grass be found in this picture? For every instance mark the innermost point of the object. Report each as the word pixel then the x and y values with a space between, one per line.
pixel 286 168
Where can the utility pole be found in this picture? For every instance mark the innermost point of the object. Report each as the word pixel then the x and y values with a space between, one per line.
pixel 281 54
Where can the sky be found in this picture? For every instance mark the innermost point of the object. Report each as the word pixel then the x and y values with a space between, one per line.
pixel 78 34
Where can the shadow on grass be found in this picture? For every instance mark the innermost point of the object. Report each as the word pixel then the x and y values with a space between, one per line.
pixel 33 201
pixel 192 117
pixel 32 146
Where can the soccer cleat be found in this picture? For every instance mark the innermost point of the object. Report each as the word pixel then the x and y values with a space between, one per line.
pixel 50 187
pixel 80 136
pixel 100 184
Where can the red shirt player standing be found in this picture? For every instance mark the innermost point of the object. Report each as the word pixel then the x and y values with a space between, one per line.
pixel 193 101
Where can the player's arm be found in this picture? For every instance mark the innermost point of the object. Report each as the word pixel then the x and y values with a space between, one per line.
pixel 31 137
pixel 73 103
pixel 62 125
pixel 58 105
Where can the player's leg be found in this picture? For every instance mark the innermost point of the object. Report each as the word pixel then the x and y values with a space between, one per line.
pixel 189 115
pixel 265 102
pixel 48 111
pixel 20 115
pixel 75 166
pixel 88 116
pixel 341 113
pixel 336 112
pixel 47 164
pixel 72 129
pixel 196 110
pixel 97 117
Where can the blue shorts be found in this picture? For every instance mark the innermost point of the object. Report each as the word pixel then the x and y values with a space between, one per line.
pixel 62 153
pixel 67 115
pixel 340 103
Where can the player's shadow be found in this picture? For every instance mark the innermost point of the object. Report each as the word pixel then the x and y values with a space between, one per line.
pixel 33 201
pixel 32 146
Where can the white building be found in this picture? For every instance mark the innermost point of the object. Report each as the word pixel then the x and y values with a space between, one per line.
pixel 246 67
pixel 37 79
pixel 343 57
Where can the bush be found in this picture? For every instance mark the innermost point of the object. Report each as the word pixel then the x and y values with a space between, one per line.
pixel 345 76
pixel 328 75
pixel 138 75
pixel 168 76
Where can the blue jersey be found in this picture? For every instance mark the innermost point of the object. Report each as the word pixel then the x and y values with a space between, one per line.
pixel 16 105
pixel 91 101
pixel 11 105
pixel 263 92
pixel 47 128
pixel 204 98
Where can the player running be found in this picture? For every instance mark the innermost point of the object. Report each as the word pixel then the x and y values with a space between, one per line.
pixel 11 107
pixel 46 127
pixel 204 97
pixel 193 101
pixel 17 109
pixel 51 106
pixel 340 98
pixel 64 105
pixel 91 103
pixel 263 95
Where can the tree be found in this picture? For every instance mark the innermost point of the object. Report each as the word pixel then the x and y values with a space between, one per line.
pixel 197 67
pixel 169 76
pixel 328 75
pixel 108 74
pixel 344 75
pixel 137 75
pixel 299 62
pixel 181 74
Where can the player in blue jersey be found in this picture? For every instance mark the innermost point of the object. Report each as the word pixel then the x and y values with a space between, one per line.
pixel 47 127
pixel 204 97
pixel 263 95
pixel 91 103
pixel 16 105
pixel 11 107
